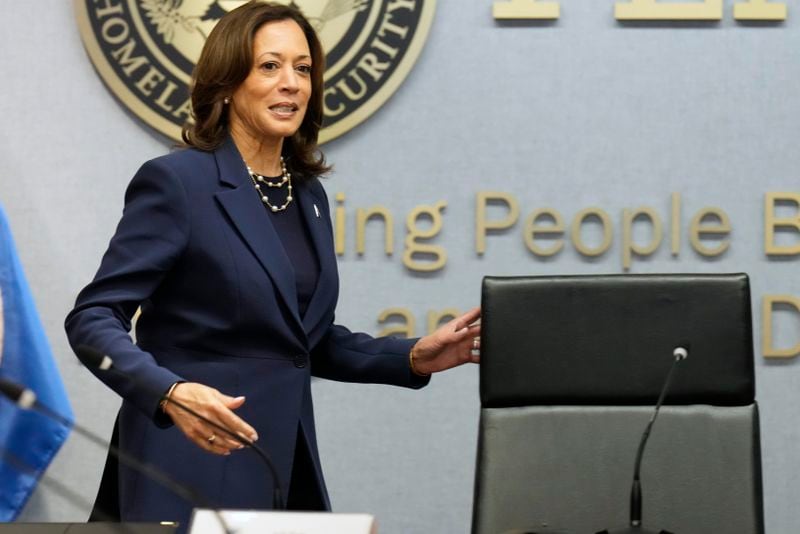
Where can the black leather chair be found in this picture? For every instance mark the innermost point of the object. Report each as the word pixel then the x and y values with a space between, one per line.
pixel 571 369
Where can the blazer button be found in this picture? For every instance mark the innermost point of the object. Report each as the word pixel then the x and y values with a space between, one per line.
pixel 300 361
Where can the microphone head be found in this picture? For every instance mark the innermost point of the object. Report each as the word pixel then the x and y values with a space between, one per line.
pixel 21 396
pixel 681 352
pixel 93 358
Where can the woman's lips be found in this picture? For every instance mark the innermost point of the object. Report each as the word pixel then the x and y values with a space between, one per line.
pixel 284 110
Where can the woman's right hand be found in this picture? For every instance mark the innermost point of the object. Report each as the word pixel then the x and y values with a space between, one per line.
pixel 213 405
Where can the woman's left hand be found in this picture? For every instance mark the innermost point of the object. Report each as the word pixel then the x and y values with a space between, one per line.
pixel 452 344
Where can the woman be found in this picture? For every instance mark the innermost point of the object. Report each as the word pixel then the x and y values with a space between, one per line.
pixel 227 249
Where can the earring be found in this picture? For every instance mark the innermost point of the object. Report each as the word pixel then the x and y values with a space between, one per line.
pixel 226 100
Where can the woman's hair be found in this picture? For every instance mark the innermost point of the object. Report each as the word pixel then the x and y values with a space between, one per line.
pixel 224 64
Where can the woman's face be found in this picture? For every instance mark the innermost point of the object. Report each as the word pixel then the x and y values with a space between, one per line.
pixel 271 102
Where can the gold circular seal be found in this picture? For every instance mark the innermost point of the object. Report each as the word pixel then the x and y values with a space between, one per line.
pixel 145 51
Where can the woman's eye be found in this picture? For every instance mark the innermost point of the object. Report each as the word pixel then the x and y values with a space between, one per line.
pixel 305 69
pixel 269 65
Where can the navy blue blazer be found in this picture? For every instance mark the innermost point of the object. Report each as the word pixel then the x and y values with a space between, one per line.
pixel 197 252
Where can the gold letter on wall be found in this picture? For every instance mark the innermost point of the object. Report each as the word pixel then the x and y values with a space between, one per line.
pixel 628 245
pixel 483 225
pixel 436 253
pixel 525 9
pixel 375 212
pixel 605 223
pixel 654 10
pixel 702 226
pixel 767 307
pixel 771 222
pixel 759 10
pixel 406 326
pixel 533 228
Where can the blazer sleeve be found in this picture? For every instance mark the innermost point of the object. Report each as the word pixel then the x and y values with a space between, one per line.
pixel 149 239
pixel 354 357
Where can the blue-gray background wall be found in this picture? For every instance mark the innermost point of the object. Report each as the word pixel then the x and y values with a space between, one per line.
pixel 583 112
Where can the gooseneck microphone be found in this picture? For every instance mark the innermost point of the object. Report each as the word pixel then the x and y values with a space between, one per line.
pixel 680 353
pixel 94 359
pixel 26 399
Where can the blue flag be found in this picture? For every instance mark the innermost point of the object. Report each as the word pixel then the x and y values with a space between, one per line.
pixel 25 358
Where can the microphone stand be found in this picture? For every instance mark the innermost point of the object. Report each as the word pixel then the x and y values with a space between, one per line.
pixel 635 527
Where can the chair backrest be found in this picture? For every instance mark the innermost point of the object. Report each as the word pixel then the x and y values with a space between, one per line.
pixel 570 369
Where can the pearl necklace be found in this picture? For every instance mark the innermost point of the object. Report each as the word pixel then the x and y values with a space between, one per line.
pixel 286 178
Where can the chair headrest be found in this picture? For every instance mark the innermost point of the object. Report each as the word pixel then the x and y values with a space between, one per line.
pixel 609 340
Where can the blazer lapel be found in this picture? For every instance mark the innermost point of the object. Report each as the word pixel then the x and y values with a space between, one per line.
pixel 245 210
pixel 318 224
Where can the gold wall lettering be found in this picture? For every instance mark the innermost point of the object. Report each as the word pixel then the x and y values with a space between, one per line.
pixel 545 232
pixel 434 257
pixel 339 222
pixel 553 229
pixel 375 212
pixel 768 305
pixel 656 10
pixel 710 10
pixel 701 226
pixel 482 225
pixel 760 10
pixel 548 223
pixel 525 9
pixel 406 327
pixel 436 253
pixel 773 222
pixel 605 222
pixel 675 227
pixel 628 246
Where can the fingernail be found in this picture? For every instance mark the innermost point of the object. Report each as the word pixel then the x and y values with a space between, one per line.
pixel 241 397
pixel 240 446
pixel 226 453
pixel 253 437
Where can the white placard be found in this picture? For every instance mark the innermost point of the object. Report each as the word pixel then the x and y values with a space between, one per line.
pixel 261 522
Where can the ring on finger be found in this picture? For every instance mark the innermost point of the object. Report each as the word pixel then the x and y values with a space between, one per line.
pixel 476 342
pixel 211 438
